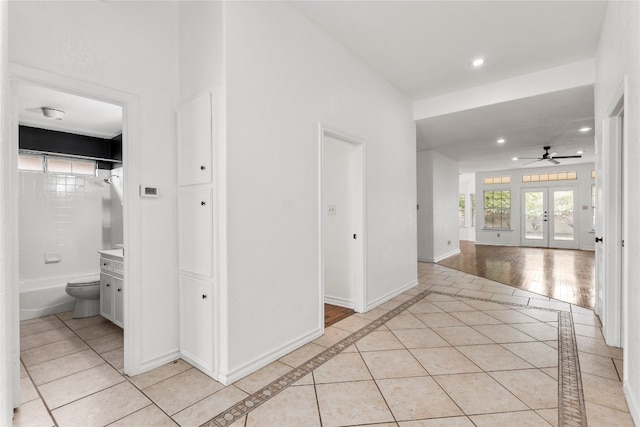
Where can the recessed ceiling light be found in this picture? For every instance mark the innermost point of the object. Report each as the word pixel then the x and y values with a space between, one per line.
pixel 501 141
pixel 580 152
pixel 585 129
pixel 478 62
pixel 514 159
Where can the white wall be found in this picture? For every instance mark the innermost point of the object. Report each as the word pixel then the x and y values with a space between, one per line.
pixel 284 77
pixel 438 186
pixel 511 237
pixel 131 47
pixel 619 55
pixel 61 215
pixel 468 187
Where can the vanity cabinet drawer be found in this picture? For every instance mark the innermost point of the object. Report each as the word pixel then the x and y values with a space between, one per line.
pixel 117 267
pixel 106 264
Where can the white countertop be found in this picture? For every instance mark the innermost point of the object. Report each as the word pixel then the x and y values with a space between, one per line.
pixel 117 254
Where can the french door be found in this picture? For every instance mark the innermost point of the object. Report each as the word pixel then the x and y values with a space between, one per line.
pixel 550 217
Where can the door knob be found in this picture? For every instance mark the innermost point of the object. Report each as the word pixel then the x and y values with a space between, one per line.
pixel 598 239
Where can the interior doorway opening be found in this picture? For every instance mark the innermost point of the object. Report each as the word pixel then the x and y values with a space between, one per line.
pixel 342 220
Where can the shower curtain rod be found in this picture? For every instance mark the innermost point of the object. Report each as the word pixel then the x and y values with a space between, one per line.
pixel 72 156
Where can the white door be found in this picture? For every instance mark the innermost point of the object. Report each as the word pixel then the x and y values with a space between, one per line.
pixel 549 217
pixel 342 220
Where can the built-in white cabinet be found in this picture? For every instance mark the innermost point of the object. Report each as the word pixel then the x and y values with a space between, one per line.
pixel 195 132
pixel 196 218
pixel 195 210
pixel 196 322
pixel 112 286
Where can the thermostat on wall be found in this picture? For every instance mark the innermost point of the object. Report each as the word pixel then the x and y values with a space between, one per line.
pixel 146 191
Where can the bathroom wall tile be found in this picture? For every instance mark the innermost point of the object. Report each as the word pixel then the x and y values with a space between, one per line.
pixel 102 408
pixel 79 385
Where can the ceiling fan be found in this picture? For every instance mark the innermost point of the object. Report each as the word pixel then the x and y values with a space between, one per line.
pixel 550 157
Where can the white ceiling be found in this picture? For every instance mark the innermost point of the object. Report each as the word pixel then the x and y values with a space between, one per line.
pixel 424 48
pixel 83 116
pixel 527 124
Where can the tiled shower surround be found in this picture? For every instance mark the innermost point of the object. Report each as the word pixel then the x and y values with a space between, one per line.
pixel 62 214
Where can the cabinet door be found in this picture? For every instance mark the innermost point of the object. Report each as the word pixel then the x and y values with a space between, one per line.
pixel 106 296
pixel 196 322
pixel 195 141
pixel 195 241
pixel 118 309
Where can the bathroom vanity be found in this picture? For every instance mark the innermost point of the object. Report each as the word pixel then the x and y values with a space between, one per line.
pixel 111 285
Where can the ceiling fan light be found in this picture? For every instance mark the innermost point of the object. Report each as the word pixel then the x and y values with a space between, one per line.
pixel 514 159
pixel 579 152
pixel 478 62
pixel 501 141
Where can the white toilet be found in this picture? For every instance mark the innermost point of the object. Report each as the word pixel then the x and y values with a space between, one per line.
pixel 87 290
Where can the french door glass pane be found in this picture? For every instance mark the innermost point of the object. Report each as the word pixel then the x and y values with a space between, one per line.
pixel 563 215
pixel 534 215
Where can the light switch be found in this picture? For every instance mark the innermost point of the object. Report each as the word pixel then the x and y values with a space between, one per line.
pixel 331 210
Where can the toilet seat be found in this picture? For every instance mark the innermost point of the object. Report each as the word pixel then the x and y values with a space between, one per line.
pixel 84 281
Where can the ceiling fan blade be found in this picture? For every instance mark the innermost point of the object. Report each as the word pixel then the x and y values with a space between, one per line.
pixel 529 158
pixel 554 161
pixel 533 161
pixel 567 157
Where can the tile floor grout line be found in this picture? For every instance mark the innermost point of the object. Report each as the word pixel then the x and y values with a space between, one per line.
pixel 242 408
pixel 571 406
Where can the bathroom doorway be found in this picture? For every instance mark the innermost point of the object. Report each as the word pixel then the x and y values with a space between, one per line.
pixel 78 175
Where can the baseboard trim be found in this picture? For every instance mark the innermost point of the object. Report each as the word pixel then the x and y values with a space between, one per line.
pixel 441 257
pixel 157 361
pixel 373 304
pixel 341 302
pixel 632 403
pixel 262 361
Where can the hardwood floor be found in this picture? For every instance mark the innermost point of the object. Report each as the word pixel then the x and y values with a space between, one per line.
pixel 567 275
pixel 333 314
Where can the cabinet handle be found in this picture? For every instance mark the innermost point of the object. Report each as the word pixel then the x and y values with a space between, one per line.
pixel 104 264
pixel 119 289
pixel 202 167
pixel 108 285
pixel 203 203
pixel 204 297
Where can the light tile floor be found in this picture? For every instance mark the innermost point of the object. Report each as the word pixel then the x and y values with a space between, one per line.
pixel 447 360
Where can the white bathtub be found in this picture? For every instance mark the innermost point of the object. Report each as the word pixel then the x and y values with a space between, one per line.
pixel 43 297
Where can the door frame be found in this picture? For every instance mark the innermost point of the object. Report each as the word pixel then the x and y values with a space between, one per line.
pixel 609 183
pixel 359 209
pixel 20 74
pixel 523 212
pixel 548 203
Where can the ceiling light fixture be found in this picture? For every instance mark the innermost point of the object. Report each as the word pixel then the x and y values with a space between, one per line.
pixel 478 62
pixel 580 152
pixel 514 159
pixel 52 113
pixel 501 141
pixel 584 129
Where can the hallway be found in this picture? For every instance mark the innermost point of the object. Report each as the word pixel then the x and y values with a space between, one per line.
pixel 564 274
pixel 458 350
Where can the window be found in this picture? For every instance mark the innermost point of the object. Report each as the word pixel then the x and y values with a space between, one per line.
pixel 56 165
pixel 497 209
pixel 497 180
pixel 31 163
pixel 461 207
pixel 556 176
pixel 473 209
